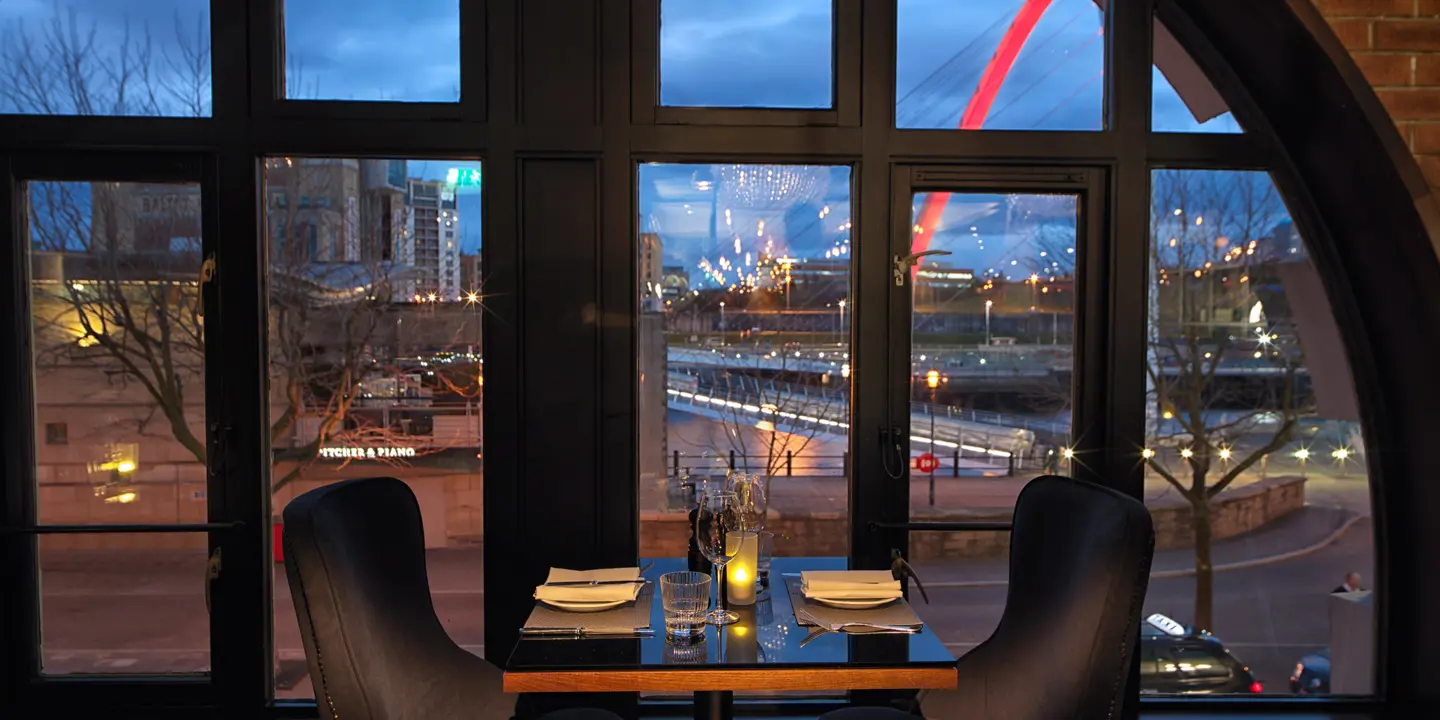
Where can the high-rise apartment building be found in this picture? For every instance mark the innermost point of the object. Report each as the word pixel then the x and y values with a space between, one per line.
pixel 436 238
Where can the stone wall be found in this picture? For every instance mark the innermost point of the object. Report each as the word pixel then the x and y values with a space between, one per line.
pixel 1238 511
pixel 451 504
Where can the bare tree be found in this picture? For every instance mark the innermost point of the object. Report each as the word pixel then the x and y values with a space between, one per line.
pixel 766 417
pixel 1209 232
pixel 63 66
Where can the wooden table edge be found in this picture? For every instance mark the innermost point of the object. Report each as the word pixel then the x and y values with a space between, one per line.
pixel 687 680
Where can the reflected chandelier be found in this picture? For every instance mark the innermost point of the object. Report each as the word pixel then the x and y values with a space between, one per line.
pixel 770 186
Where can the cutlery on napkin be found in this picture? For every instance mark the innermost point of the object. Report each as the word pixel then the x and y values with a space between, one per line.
pixel 849 584
pixel 595 586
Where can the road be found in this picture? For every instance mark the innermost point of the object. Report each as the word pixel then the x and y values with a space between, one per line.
pixel 144 611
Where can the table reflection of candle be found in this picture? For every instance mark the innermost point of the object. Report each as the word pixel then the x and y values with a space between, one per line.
pixel 742 640
pixel 740 573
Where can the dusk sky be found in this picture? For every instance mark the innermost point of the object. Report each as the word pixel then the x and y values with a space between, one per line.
pixel 732 53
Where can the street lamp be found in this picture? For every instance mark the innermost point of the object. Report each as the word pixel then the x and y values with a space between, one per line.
pixel 722 323
pixel 988 303
pixel 840 332
pixel 932 381
pixel 1302 455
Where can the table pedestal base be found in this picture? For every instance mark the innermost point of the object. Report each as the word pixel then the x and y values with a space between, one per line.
pixel 714 705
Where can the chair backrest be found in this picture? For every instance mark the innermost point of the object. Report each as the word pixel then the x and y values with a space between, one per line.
pixel 355 559
pixel 1079 566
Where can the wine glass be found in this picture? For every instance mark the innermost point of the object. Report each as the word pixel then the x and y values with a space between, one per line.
pixel 715 519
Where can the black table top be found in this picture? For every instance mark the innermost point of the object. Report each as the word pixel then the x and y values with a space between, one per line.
pixel 767 636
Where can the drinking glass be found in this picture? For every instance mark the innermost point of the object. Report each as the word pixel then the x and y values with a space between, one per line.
pixel 764 554
pixel 749 492
pixel 715 518
pixel 685 596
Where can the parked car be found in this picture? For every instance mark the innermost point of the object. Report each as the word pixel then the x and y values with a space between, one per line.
pixel 1312 674
pixel 1179 660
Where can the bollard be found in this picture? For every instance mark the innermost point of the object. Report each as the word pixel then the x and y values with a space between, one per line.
pixel 955 464
pixel 1011 471
pixel 789 460
pixel 732 460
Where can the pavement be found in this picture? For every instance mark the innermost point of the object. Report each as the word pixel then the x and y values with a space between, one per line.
pixel 144 611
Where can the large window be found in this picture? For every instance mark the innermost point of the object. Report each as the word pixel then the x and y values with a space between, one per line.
pixel 747 53
pixel 247 264
pixel 745 346
pixel 374 50
pixel 1256 472
pixel 376 368
pixel 118 354
pixel 1032 65
pixel 125 57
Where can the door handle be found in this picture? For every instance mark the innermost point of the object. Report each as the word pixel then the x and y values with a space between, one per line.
pixel 212 573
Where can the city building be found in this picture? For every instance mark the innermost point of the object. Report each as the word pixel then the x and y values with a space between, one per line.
pixel 472 279
pixel 314 208
pixel 386 224
pixel 436 219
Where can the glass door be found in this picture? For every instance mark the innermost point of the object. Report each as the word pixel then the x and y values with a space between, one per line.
pixel 993 266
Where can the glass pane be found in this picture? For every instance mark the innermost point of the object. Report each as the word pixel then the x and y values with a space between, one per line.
pixel 745 347
pixel 377 50
pixel 118 352
pixel 746 53
pixel 120 57
pixel 375 308
pixel 1000 65
pixel 123 604
pixel 1255 463
pixel 992 339
pixel 1183 99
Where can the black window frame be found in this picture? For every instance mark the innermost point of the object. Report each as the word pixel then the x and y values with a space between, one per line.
pixel 250 120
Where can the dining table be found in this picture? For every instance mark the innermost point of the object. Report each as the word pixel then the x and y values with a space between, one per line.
pixel 768 650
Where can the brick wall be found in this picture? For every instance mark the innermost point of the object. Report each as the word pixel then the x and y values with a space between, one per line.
pixel 1396 43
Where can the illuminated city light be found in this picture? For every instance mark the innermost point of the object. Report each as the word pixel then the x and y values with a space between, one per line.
pixel 1187 453
pixel 1147 453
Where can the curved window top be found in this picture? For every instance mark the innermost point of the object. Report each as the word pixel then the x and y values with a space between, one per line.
pixel 1000 65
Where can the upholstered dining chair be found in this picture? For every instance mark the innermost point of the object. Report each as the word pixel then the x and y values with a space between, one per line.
pixel 1079 566
pixel 355 559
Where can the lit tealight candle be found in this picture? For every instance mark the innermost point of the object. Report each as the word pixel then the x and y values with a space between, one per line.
pixel 740 572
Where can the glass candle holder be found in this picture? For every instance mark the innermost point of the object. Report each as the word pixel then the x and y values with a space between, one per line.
pixel 741 572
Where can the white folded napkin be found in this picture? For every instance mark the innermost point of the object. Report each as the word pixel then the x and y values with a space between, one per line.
pixel 849 584
pixel 590 593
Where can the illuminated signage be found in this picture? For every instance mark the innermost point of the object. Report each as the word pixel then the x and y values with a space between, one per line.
pixel 469 177
pixel 367 453
pixel 1166 625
